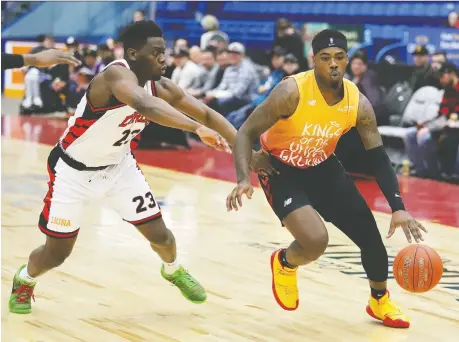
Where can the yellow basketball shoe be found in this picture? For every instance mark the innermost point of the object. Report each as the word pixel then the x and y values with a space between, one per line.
pixel 386 311
pixel 284 283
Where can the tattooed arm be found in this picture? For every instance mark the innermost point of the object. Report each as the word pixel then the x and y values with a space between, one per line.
pixel 366 124
pixel 383 171
pixel 281 102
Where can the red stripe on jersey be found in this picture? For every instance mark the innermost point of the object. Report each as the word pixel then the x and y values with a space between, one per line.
pixel 76 131
pixel 49 194
pixel 150 218
pixel 153 88
pixel 135 142
pixel 52 233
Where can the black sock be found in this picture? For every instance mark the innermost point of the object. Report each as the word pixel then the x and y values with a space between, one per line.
pixel 377 294
pixel 283 259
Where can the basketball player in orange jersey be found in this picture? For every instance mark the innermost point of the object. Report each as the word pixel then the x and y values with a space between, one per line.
pixel 300 124
pixel 93 159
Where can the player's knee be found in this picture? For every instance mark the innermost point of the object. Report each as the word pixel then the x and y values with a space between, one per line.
pixel 317 246
pixel 314 246
pixel 162 237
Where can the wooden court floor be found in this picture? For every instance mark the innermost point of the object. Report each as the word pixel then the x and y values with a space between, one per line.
pixel 110 288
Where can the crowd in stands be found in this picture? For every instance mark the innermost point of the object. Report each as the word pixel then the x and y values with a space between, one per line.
pixel 220 73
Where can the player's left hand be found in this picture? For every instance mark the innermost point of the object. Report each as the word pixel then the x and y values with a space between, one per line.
pixel 212 139
pixel 409 225
pixel 50 57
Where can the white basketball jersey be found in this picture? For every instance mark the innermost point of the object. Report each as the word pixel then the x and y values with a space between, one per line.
pixel 103 136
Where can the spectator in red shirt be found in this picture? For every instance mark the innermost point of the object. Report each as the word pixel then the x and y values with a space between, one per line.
pixel 453 21
pixel 449 109
pixel 437 140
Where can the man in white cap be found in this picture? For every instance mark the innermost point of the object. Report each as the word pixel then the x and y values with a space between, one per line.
pixel 239 83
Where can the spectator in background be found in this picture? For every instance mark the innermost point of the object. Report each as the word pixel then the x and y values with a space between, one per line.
pixel 186 73
pixel 73 46
pixel 438 58
pixel 288 38
pixel 180 43
pixel 218 42
pixel 208 79
pixel 138 16
pixel 33 78
pixel 276 74
pixel 211 27
pixel 77 88
pixel 239 83
pixel 453 20
pixel 421 141
pixel 105 54
pixel 368 84
pixel 449 109
pixel 92 62
pixel 48 42
pixel 423 75
pixel 195 54
pixel 282 67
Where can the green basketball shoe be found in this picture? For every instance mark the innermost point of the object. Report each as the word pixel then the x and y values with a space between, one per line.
pixel 21 294
pixel 190 287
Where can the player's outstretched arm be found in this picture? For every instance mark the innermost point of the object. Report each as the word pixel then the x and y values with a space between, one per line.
pixel 384 172
pixel 176 97
pixel 281 102
pixel 123 84
pixel 41 59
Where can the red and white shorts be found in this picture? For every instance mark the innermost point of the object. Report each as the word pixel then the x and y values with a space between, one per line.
pixel 123 186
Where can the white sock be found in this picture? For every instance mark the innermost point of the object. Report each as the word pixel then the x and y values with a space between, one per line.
pixel 25 276
pixel 171 267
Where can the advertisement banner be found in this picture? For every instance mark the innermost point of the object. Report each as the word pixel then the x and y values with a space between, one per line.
pixel 435 39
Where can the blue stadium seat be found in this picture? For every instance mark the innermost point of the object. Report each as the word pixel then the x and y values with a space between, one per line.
pixel 419 10
pixel 329 8
pixel 365 8
pixel 341 8
pixel 391 9
pixel 352 9
pixel 378 9
pixel 316 8
pixel 404 10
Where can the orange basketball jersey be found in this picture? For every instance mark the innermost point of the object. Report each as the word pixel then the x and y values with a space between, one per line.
pixel 310 135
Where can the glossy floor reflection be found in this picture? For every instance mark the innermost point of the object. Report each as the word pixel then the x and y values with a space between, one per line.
pixel 110 288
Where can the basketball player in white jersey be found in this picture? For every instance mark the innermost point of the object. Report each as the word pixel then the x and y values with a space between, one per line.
pixel 93 159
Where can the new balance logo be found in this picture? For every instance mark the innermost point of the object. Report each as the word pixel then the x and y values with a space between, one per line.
pixel 312 102
pixel 287 202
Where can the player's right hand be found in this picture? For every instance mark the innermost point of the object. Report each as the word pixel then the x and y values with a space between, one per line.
pixel 212 139
pixel 235 197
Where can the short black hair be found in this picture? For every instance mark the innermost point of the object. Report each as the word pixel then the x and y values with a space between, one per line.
pixel 212 50
pixel 135 35
pixel 439 52
pixel 360 55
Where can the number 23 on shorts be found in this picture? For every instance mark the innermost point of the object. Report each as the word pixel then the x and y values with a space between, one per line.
pixel 144 202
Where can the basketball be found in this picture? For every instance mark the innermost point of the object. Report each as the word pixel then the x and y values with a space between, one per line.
pixel 417 268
